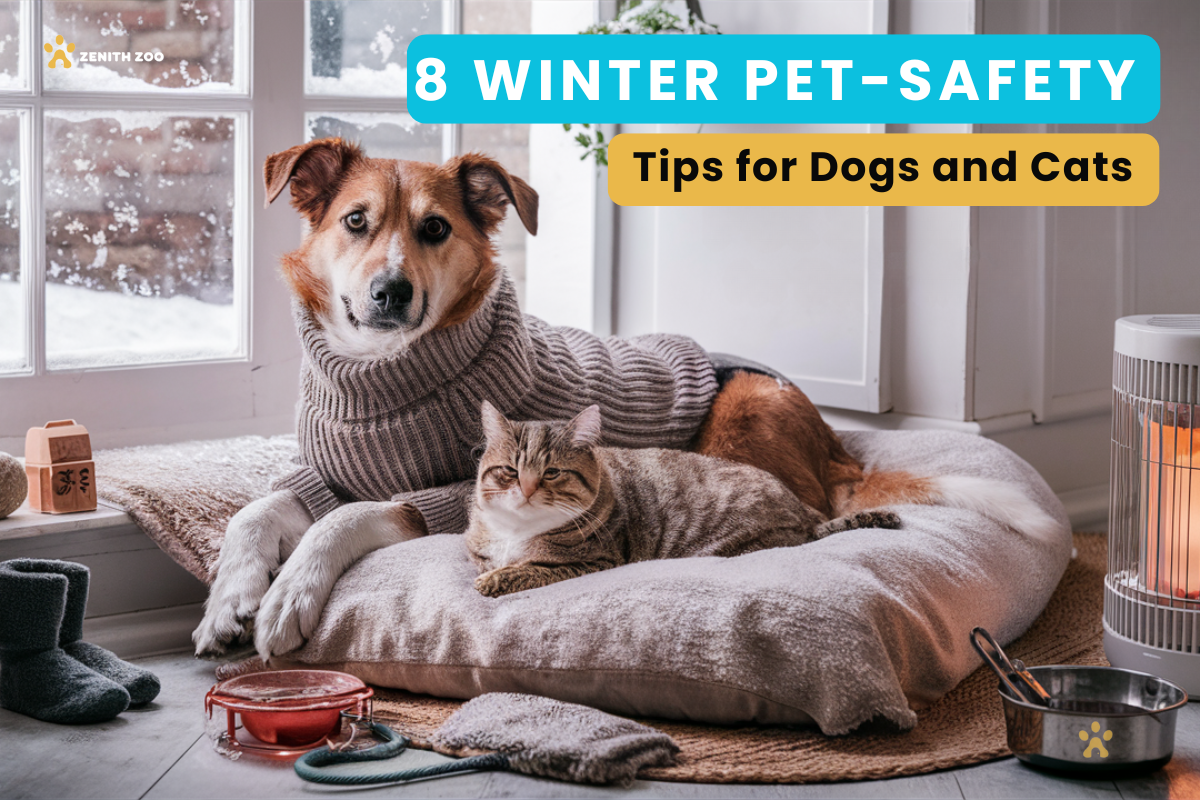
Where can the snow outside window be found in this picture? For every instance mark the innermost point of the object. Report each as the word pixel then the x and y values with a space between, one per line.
pixel 12 74
pixel 192 44
pixel 12 307
pixel 140 201
pixel 139 284
pixel 139 238
pixel 358 47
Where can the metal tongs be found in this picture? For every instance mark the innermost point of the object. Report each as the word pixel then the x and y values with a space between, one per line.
pixel 1025 686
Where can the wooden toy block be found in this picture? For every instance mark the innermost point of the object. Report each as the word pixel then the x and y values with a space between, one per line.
pixel 58 463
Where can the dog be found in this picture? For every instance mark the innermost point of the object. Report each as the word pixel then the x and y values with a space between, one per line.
pixel 400 253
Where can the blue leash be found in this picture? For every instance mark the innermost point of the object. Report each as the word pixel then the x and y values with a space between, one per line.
pixel 309 765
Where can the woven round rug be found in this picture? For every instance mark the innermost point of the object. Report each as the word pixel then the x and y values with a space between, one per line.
pixel 964 727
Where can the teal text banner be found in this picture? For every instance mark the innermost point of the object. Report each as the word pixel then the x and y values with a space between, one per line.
pixel 783 79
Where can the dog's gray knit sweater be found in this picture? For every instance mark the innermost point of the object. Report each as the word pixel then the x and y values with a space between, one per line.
pixel 409 427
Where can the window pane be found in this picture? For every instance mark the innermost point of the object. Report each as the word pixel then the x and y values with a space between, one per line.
pixel 358 47
pixel 381 135
pixel 11 74
pixel 488 16
pixel 191 45
pixel 508 144
pixel 139 238
pixel 12 298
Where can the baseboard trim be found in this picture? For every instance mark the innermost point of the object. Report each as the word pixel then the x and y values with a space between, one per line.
pixel 145 633
pixel 1087 507
pixel 842 420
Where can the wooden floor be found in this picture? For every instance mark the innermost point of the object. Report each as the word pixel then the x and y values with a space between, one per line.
pixel 163 752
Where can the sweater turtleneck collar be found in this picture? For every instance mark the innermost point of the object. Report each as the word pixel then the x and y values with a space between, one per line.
pixel 489 348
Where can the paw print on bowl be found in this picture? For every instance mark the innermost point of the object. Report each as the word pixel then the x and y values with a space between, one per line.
pixel 1095 745
pixel 59 56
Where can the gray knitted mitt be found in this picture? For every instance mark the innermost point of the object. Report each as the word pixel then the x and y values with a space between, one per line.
pixel 553 739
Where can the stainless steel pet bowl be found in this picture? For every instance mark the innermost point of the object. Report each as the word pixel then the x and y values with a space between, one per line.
pixel 1102 720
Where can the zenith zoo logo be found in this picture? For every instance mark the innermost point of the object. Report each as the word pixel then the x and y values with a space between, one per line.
pixel 58 56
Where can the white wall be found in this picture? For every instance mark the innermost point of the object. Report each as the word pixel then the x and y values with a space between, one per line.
pixel 568 267
pixel 1069 272
pixel 758 281
pixel 995 320
pixel 928 264
pixel 859 324
pixel 1052 281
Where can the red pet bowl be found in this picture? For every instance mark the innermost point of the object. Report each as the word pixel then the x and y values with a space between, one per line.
pixel 289 711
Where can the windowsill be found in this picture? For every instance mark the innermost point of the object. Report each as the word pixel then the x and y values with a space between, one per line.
pixel 24 522
pixel 139 600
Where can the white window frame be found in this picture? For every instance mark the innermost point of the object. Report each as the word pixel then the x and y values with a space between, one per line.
pixel 375 104
pixel 568 271
pixel 153 402
pixel 254 393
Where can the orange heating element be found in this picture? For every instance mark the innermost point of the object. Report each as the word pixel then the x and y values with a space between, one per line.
pixel 1171 564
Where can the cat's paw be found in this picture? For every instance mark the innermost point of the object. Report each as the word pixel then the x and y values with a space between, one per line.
pixel 491 583
pixel 877 519
pixel 499 582
pixel 857 521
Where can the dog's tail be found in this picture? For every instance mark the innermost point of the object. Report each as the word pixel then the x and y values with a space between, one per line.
pixel 772 425
pixel 998 500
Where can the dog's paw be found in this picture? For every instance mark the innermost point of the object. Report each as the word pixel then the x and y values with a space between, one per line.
pixel 217 635
pixel 228 623
pixel 288 616
pixel 292 608
pixel 249 554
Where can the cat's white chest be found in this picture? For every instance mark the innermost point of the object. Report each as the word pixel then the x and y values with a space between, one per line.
pixel 512 528
pixel 507 549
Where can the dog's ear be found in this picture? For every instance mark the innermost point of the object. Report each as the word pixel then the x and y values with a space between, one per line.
pixel 315 171
pixel 488 188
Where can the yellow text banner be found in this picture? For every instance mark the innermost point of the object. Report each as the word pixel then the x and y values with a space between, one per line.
pixel 892 169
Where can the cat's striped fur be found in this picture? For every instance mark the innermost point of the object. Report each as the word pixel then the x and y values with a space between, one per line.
pixel 551 504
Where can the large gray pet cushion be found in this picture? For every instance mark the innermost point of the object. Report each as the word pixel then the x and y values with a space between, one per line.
pixel 863 624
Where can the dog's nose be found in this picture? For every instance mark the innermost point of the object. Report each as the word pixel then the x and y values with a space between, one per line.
pixel 392 295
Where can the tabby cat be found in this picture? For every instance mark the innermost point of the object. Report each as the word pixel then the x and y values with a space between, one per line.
pixel 551 504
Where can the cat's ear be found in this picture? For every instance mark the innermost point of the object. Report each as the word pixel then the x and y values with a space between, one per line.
pixel 585 428
pixel 495 426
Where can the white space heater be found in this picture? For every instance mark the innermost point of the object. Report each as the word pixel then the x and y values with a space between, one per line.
pixel 1152 590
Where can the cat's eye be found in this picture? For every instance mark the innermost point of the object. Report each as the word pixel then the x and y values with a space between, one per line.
pixel 501 474
pixel 355 222
pixel 551 473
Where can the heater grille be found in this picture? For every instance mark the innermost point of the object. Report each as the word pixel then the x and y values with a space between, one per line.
pixel 1152 590
pixel 1128 611
pixel 1156 380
